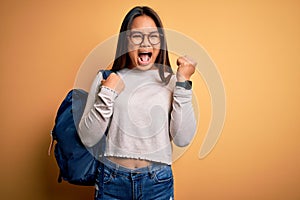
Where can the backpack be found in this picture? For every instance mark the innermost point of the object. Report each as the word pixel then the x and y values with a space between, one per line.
pixel 77 163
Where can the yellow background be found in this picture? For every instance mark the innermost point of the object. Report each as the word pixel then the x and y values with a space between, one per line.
pixel 255 44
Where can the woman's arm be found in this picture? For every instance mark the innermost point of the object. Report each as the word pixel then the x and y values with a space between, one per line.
pixel 183 123
pixel 97 112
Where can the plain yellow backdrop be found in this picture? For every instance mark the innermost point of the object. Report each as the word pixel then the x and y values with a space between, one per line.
pixel 255 45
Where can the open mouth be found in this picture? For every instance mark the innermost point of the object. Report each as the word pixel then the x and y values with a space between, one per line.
pixel 144 58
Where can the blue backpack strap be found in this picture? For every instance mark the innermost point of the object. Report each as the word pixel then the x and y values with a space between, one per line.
pixel 105 73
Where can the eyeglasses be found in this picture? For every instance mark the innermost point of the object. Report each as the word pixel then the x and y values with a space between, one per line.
pixel 137 38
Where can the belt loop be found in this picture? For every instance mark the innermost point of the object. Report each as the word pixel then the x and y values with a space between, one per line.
pixel 116 168
pixel 149 168
pixel 150 171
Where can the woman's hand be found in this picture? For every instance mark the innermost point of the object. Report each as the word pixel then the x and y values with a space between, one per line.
pixel 114 82
pixel 186 68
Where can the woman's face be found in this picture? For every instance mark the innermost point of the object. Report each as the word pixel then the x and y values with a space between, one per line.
pixel 143 43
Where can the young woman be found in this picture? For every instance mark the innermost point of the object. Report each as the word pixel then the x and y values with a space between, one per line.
pixel 145 107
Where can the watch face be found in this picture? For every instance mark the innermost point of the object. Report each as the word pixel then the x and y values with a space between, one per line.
pixel 186 84
pixel 189 83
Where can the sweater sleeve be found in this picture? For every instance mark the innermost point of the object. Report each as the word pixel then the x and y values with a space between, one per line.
pixel 183 122
pixel 97 113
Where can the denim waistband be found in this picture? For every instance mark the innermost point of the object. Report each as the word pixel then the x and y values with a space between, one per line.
pixel 116 168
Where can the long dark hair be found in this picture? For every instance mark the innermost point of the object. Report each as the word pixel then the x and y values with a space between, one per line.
pixel 122 59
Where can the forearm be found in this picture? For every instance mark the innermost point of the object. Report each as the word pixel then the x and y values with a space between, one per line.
pixel 183 122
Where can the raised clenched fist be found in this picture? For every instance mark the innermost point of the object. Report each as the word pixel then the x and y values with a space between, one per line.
pixel 186 68
pixel 114 82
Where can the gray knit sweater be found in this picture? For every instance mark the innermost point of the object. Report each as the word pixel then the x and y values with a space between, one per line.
pixel 143 119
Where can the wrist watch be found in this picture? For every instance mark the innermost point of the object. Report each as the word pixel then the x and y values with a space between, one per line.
pixel 186 84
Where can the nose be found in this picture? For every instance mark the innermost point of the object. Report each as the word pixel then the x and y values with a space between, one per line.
pixel 145 42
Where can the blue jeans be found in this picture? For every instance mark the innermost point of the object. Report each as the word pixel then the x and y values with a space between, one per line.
pixel 154 182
